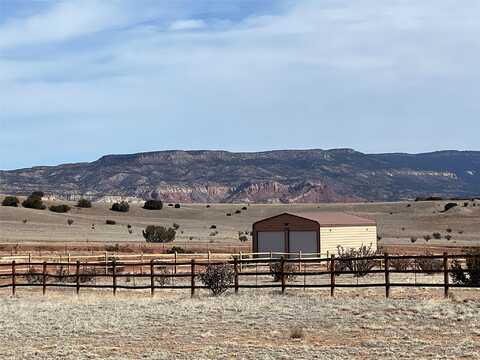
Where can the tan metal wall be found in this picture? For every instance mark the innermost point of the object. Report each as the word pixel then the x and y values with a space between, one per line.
pixel 348 237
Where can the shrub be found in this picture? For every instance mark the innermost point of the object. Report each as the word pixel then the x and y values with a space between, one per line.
pixel 213 226
pixel 110 222
pixel 129 226
pixel 24 221
pixel 276 270
pixel 176 226
pixel 171 205
pixel 449 230
pixel 161 275
pixel 379 237
pixel 70 222
pixel 177 206
pixel 448 237
pixel 243 238
pixel 471 274
pixel 413 239
pixel 465 204
pixel 297 333
pixel 158 234
pixel 84 203
pixel 238 211
pixel 449 206
pixel 153 205
pixel 229 214
pixel 122 206
pixel 428 265
pixel 34 276
pixel 213 233
pixel 401 264
pixel 427 238
pixel 217 278
pixel 244 208
pixel 10 201
pixel 34 201
pixel 345 260
pixel 176 249
pixel 63 208
pixel 208 206
pixel 437 235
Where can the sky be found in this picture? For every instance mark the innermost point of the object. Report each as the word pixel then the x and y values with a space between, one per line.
pixel 81 79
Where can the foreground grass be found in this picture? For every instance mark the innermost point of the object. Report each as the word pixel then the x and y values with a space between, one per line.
pixel 249 326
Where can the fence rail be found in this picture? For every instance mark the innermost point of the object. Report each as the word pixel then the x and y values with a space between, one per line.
pixel 158 274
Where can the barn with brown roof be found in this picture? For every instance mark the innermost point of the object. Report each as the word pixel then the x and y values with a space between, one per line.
pixel 313 233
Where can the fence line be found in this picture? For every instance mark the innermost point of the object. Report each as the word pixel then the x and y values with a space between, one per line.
pixel 161 270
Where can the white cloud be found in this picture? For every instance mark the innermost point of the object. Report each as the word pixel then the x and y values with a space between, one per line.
pixel 365 67
pixel 191 24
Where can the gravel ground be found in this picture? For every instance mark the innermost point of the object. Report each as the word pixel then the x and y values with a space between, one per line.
pixel 251 325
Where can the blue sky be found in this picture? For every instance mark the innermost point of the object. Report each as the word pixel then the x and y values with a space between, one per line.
pixel 80 79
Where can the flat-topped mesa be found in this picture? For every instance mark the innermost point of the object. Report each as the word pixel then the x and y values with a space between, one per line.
pixel 284 176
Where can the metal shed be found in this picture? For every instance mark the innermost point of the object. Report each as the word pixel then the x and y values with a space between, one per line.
pixel 313 233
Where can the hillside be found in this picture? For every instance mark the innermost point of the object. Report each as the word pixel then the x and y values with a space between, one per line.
pixel 284 176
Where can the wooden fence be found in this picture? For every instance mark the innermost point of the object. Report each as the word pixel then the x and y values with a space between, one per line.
pixel 158 274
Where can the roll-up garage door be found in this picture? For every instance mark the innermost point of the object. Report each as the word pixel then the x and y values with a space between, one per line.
pixel 271 241
pixel 304 241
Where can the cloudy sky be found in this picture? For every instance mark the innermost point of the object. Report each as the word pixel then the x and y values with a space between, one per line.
pixel 80 79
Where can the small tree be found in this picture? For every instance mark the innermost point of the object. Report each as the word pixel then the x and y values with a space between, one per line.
pixel 153 205
pixel 471 274
pixel 84 203
pixel 60 208
pixel 10 201
pixel 243 238
pixel 34 201
pixel 217 278
pixel 176 226
pixel 159 234
pixel 70 222
pixel 122 206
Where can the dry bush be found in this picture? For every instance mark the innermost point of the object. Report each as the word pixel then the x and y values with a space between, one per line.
pixel 34 276
pixel 276 270
pixel 401 264
pixel 427 265
pixel 346 261
pixel 437 235
pixel 160 275
pixel 217 278
pixel 70 222
pixel 297 333
pixel 471 274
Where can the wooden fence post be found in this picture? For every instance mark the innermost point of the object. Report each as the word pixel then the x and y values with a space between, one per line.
pixel 235 268
pixel 387 276
pixel 13 278
pixel 106 263
pixel 29 261
pixel 114 276
pixel 152 278
pixel 240 258
pixel 332 275
pixel 44 278
pixel 282 273
pixel 175 259
pixel 445 274
pixel 77 276
pixel 192 274
pixel 68 262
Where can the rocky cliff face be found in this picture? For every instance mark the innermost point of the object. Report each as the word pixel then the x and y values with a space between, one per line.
pixel 267 177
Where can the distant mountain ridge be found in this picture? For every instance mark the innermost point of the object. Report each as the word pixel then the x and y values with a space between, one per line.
pixel 284 176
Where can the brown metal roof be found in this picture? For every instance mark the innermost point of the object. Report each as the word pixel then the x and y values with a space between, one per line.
pixel 326 219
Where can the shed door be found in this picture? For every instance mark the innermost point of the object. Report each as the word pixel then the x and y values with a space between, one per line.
pixel 271 241
pixel 304 241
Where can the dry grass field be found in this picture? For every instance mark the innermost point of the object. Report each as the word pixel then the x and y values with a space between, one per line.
pixel 397 223
pixel 253 325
